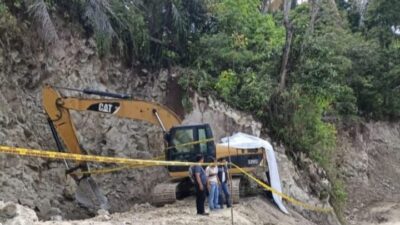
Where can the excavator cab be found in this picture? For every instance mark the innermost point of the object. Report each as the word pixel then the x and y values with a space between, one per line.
pixel 186 141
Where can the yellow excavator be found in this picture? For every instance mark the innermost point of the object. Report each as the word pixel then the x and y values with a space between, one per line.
pixel 57 108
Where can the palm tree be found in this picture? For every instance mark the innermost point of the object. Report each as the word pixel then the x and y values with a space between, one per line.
pixel 154 31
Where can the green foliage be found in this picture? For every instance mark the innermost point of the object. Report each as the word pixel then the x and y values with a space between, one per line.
pixel 153 32
pixel 8 24
pixel 199 81
pixel 378 88
pixel 237 54
pixel 3 8
pixel 187 104
pixel 103 43
pixel 245 39
pixel 254 93
pixel 296 119
pixel 381 17
pixel 130 26
pixel 227 84
pixel 339 196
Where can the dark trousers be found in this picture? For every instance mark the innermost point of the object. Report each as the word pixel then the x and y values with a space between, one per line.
pixel 200 199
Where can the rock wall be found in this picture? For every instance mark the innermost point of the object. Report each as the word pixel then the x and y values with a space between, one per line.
pixel 370 156
pixel 42 184
pixel 223 120
pixel 308 185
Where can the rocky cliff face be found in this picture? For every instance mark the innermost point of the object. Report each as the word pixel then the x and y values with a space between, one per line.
pixel 223 120
pixel 371 166
pixel 42 185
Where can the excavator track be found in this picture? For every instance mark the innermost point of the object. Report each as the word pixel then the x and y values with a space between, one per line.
pixel 164 193
pixel 236 190
pixel 242 187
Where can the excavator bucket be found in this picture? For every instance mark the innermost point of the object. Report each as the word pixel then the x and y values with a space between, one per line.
pixel 90 196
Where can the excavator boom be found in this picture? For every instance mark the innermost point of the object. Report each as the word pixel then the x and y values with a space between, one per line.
pixel 57 108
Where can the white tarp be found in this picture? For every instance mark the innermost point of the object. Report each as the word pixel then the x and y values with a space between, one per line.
pixel 245 141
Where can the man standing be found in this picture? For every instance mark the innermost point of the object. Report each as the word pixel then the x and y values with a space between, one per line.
pixel 200 185
pixel 213 183
pixel 224 190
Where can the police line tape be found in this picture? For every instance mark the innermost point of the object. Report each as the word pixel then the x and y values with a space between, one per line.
pixel 114 169
pixel 93 158
pixel 134 163
pixel 286 197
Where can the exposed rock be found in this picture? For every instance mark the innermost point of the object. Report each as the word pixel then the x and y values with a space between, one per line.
pixel 296 184
pixel 9 211
pixel 44 185
pixel 103 212
pixel 224 120
pixel 370 162
pixel 14 214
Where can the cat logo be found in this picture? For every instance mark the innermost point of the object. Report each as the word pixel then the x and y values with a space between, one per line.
pixel 105 107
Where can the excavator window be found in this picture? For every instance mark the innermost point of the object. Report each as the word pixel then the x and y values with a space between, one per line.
pixel 202 136
pixel 180 149
pixel 181 138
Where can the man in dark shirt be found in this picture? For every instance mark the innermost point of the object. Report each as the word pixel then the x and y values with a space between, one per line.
pixel 224 189
pixel 200 185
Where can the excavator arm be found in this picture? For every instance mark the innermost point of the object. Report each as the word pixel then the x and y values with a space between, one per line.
pixel 57 108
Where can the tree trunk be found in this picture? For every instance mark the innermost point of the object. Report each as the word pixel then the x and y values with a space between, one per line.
pixel 288 42
pixel 310 30
pixel 313 16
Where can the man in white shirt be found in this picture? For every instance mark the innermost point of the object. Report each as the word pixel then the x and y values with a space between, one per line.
pixel 213 186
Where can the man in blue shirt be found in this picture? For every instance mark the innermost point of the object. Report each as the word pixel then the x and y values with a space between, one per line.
pixel 200 179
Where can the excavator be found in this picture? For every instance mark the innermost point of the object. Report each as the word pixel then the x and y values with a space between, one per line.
pixel 176 136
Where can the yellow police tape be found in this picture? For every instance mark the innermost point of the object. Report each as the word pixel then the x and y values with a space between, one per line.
pixel 92 158
pixel 288 198
pixel 139 162
pixel 114 169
